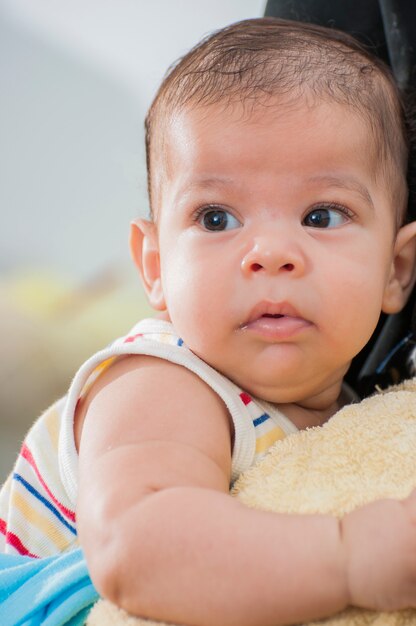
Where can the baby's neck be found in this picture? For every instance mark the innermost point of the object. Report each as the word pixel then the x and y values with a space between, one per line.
pixel 309 414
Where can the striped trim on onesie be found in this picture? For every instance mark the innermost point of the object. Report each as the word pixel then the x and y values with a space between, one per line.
pixel 38 500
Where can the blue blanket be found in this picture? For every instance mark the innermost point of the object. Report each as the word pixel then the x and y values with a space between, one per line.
pixel 50 592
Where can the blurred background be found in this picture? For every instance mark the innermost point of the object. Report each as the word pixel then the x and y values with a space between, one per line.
pixel 76 79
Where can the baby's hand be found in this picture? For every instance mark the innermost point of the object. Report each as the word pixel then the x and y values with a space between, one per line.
pixel 380 542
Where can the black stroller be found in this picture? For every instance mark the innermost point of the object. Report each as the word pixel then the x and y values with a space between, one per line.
pixel 388 27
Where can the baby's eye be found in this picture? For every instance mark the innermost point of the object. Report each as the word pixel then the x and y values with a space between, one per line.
pixel 216 219
pixel 326 217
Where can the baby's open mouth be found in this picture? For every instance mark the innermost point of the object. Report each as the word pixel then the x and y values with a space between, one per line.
pixel 276 321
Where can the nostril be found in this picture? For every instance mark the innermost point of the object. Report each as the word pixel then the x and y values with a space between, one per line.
pixel 289 267
pixel 256 267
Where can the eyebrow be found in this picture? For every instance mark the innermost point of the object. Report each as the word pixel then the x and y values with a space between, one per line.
pixel 345 182
pixel 212 181
pixel 338 182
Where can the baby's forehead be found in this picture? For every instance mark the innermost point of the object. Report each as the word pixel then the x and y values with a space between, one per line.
pixel 215 129
pixel 215 142
pixel 196 134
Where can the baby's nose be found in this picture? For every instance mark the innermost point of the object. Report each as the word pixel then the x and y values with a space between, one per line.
pixel 274 256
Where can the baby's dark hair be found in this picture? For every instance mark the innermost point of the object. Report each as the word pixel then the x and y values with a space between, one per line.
pixel 251 61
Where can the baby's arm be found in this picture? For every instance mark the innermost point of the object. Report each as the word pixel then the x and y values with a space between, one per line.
pixel 164 539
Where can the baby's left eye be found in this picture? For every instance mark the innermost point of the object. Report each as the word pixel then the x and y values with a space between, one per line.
pixel 326 217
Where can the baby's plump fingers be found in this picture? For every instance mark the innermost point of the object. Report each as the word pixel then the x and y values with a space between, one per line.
pixel 380 544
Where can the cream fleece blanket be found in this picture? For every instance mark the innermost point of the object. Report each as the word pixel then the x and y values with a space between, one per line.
pixel 366 451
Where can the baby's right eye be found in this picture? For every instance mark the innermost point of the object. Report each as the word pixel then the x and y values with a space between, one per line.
pixel 217 219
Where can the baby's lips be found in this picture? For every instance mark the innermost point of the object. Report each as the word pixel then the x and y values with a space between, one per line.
pixel 268 308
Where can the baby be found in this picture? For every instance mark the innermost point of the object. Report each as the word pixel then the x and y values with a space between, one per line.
pixel 277 160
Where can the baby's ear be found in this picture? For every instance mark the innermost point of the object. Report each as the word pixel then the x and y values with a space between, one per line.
pixel 144 248
pixel 403 270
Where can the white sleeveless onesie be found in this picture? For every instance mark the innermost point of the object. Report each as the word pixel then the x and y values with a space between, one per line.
pixel 38 500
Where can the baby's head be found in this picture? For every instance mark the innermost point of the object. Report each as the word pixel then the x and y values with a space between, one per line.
pixel 277 159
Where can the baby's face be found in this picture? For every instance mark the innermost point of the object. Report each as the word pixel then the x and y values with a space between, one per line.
pixel 276 243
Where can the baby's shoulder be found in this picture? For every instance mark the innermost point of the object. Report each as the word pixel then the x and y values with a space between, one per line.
pixel 147 396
